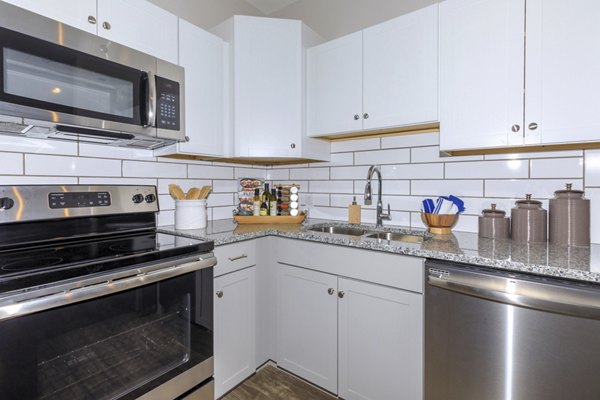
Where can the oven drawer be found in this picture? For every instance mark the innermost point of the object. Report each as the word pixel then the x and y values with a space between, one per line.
pixel 206 392
pixel 236 256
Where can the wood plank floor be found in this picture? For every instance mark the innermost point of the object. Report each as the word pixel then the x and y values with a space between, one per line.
pixel 271 383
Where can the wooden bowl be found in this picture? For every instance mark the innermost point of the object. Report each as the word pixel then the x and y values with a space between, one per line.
pixel 439 224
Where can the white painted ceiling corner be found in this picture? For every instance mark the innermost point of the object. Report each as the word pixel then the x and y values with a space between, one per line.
pixel 270 6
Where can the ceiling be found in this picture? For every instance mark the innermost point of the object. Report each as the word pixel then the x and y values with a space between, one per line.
pixel 270 6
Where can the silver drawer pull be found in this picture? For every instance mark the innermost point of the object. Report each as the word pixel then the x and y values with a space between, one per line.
pixel 238 257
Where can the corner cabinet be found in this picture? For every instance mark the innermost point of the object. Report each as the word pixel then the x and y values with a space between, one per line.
pixel 267 78
pixel 500 89
pixel 132 23
pixel 351 321
pixel 383 77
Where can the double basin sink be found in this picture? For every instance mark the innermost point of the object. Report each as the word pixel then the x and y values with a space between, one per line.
pixel 360 232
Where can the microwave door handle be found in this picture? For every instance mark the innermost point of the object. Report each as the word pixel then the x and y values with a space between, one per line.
pixel 149 111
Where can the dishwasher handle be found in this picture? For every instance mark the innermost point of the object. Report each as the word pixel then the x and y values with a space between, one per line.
pixel 543 296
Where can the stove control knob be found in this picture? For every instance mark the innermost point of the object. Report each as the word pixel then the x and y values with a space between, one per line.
pixel 6 203
pixel 150 198
pixel 137 198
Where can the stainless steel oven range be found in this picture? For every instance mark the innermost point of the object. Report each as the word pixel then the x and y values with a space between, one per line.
pixel 95 303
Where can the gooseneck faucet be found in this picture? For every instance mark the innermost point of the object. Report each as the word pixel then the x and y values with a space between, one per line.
pixel 369 197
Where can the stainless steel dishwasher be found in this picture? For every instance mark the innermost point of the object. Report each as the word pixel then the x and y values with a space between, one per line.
pixel 493 335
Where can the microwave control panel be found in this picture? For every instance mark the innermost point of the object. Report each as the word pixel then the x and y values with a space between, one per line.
pixel 167 104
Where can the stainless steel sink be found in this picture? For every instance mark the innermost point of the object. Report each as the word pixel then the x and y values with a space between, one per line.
pixel 340 230
pixel 396 237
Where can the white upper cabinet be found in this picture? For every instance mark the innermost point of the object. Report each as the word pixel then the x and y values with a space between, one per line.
pixel 400 71
pixel 481 72
pixel 268 78
pixel 81 13
pixel 334 86
pixel 562 86
pixel 379 78
pixel 140 25
pixel 202 54
pixel 499 89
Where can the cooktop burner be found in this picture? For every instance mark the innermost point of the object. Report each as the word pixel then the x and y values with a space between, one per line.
pixel 30 267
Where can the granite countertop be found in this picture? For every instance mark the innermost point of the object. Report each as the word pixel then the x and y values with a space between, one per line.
pixel 581 264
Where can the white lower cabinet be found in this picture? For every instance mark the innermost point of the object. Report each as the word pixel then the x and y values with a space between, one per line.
pixel 380 331
pixel 357 339
pixel 307 325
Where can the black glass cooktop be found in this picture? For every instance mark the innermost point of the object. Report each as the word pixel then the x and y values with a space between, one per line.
pixel 33 267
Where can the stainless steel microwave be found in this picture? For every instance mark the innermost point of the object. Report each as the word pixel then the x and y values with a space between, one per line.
pixel 59 82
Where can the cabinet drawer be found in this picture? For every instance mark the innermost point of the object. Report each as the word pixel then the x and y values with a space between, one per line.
pixel 234 257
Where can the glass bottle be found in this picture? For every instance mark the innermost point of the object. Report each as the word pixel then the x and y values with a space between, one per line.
pixel 273 203
pixel 256 203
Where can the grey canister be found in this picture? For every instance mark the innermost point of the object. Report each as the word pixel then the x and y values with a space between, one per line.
pixel 570 218
pixel 529 221
pixel 494 224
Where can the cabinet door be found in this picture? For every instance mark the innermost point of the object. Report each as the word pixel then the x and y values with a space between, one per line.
pixel 234 329
pixel 140 25
pixel 481 73
pixel 307 325
pixel 267 87
pixel 202 54
pixel 74 13
pixel 563 63
pixel 380 342
pixel 400 61
pixel 334 86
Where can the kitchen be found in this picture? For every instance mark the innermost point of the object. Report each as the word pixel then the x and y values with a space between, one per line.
pixel 495 148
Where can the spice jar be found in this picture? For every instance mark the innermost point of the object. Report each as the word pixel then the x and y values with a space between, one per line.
pixel 570 218
pixel 529 221
pixel 494 224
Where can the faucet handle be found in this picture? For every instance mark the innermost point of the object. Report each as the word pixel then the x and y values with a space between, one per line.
pixel 388 216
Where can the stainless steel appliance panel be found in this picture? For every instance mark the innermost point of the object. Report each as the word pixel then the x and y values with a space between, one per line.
pixel 491 335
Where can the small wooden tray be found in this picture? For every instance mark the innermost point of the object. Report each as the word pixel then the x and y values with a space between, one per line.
pixel 269 219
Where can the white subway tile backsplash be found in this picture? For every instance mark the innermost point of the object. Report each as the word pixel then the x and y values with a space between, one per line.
pixel 166 202
pixel 517 188
pixel 349 172
pixel 413 171
pixel 309 173
pixel 230 186
pixel 389 186
pixel 414 140
pixel 166 217
pixel 37 180
pixel 37 146
pixel 446 187
pixel 117 181
pixel 147 169
pixel 94 150
pixel 220 199
pixel 337 159
pixel 314 199
pixel 378 157
pixel 246 172
pixel 186 184
pixel 355 145
pixel 70 166
pixel 557 168
pixel 331 186
pixel 432 154
pixel 278 174
pixel 209 172
pixel 223 212
pixel 12 164
pixel 488 169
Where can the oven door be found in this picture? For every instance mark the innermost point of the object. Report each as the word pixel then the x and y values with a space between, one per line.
pixel 153 341
pixel 52 82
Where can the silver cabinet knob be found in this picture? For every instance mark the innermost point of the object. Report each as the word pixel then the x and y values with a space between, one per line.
pixel 341 294
pixel 92 19
pixel 365 116
pixel 532 126
pixel 106 25
pixel 356 116
pixel 515 128
pixel 293 145
pixel 220 294
pixel 331 291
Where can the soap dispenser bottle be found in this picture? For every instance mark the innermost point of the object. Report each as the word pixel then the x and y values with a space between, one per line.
pixel 354 212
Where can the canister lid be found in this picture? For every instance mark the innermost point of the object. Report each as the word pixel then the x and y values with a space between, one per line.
pixel 569 193
pixel 493 212
pixel 528 202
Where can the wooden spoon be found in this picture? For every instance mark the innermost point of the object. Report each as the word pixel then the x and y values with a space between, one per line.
pixel 176 192
pixel 193 194
pixel 204 192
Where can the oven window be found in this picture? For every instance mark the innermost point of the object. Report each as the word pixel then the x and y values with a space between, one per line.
pixel 113 347
pixel 34 77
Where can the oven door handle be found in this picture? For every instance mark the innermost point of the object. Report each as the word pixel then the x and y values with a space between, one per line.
pixel 110 284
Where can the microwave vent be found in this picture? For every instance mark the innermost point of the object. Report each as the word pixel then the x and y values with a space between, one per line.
pixel 13 127
pixel 146 144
